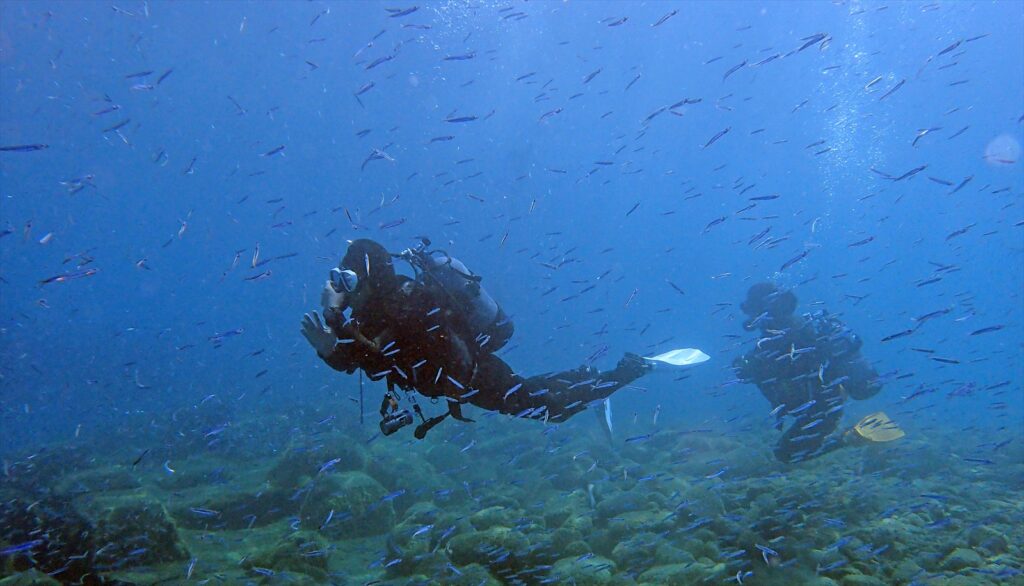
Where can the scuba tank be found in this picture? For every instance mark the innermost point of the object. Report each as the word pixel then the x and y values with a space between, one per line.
pixel 486 320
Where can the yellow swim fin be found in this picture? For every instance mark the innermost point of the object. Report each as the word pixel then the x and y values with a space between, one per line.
pixel 877 427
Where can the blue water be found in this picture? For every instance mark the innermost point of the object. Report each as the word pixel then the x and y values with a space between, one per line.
pixel 154 224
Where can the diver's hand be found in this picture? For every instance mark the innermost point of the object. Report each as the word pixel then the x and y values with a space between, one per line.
pixel 331 299
pixel 319 336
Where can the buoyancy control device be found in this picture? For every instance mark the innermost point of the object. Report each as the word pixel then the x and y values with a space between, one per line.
pixel 490 327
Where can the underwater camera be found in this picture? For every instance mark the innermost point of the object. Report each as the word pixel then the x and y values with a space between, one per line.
pixel 395 421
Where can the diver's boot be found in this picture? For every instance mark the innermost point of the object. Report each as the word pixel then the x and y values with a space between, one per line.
pixel 630 367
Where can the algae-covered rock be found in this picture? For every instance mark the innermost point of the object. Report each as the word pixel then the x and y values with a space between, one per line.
pixel 988 539
pixel 677 574
pixel 358 502
pixel 702 546
pixel 564 507
pixel 298 465
pixel 580 523
pixel 619 503
pixel 667 553
pixel 578 547
pixel 138 533
pixel 68 534
pixel 304 553
pixel 628 524
pixel 958 580
pixel 471 575
pixel 99 480
pixel 636 552
pixel 961 558
pixel 561 537
pixel 585 571
pixel 906 571
pixel 237 510
pixel 705 502
pixel 473 547
pixel 861 580
pixel 450 575
pixel 417 539
pixel 199 472
pixel 402 468
pixel 492 516
pixel 32 577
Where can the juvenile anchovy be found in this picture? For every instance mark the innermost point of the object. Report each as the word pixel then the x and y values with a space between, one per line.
pixel 715 138
pixel 399 12
pixel 911 173
pixel 662 20
pixel 893 90
pixel 811 40
pixel 733 70
pixel 794 260
pixel 897 335
pixel 949 48
pixel 23 148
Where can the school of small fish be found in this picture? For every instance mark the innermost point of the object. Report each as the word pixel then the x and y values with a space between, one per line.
pixel 177 180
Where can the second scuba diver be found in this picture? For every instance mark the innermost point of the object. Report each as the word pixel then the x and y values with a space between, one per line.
pixel 807 366
pixel 437 334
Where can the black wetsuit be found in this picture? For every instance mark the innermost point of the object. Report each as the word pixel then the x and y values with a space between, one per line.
pixel 806 367
pixel 422 345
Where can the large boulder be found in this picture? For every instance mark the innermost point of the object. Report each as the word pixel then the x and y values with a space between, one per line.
pixel 587 570
pixel 962 558
pixel 32 577
pixel 677 574
pixel 355 504
pixel 296 467
pixel 99 480
pixel 304 552
pixel 68 534
pixel 489 546
pixel 988 539
pixel 492 516
pixel 138 533
pixel 233 511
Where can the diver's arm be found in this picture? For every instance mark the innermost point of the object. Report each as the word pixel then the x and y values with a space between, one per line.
pixel 350 354
pixel 341 359
pixel 351 349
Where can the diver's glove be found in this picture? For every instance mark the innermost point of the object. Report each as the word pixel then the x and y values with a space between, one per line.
pixel 319 336
pixel 632 366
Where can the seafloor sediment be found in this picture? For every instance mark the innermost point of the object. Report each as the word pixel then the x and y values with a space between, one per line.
pixel 298 499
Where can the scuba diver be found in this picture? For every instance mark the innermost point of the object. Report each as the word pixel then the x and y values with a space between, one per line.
pixel 437 334
pixel 807 366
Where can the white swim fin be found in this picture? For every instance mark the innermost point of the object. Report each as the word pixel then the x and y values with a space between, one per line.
pixel 680 357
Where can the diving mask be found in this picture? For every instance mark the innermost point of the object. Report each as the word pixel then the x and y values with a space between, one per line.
pixel 343 280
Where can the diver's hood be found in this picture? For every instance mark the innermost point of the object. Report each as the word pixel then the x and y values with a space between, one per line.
pixel 369 262
pixel 766 303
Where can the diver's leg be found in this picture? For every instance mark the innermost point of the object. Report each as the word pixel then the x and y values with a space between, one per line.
pixel 556 396
pixel 798 442
pixel 806 438
pixel 830 442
